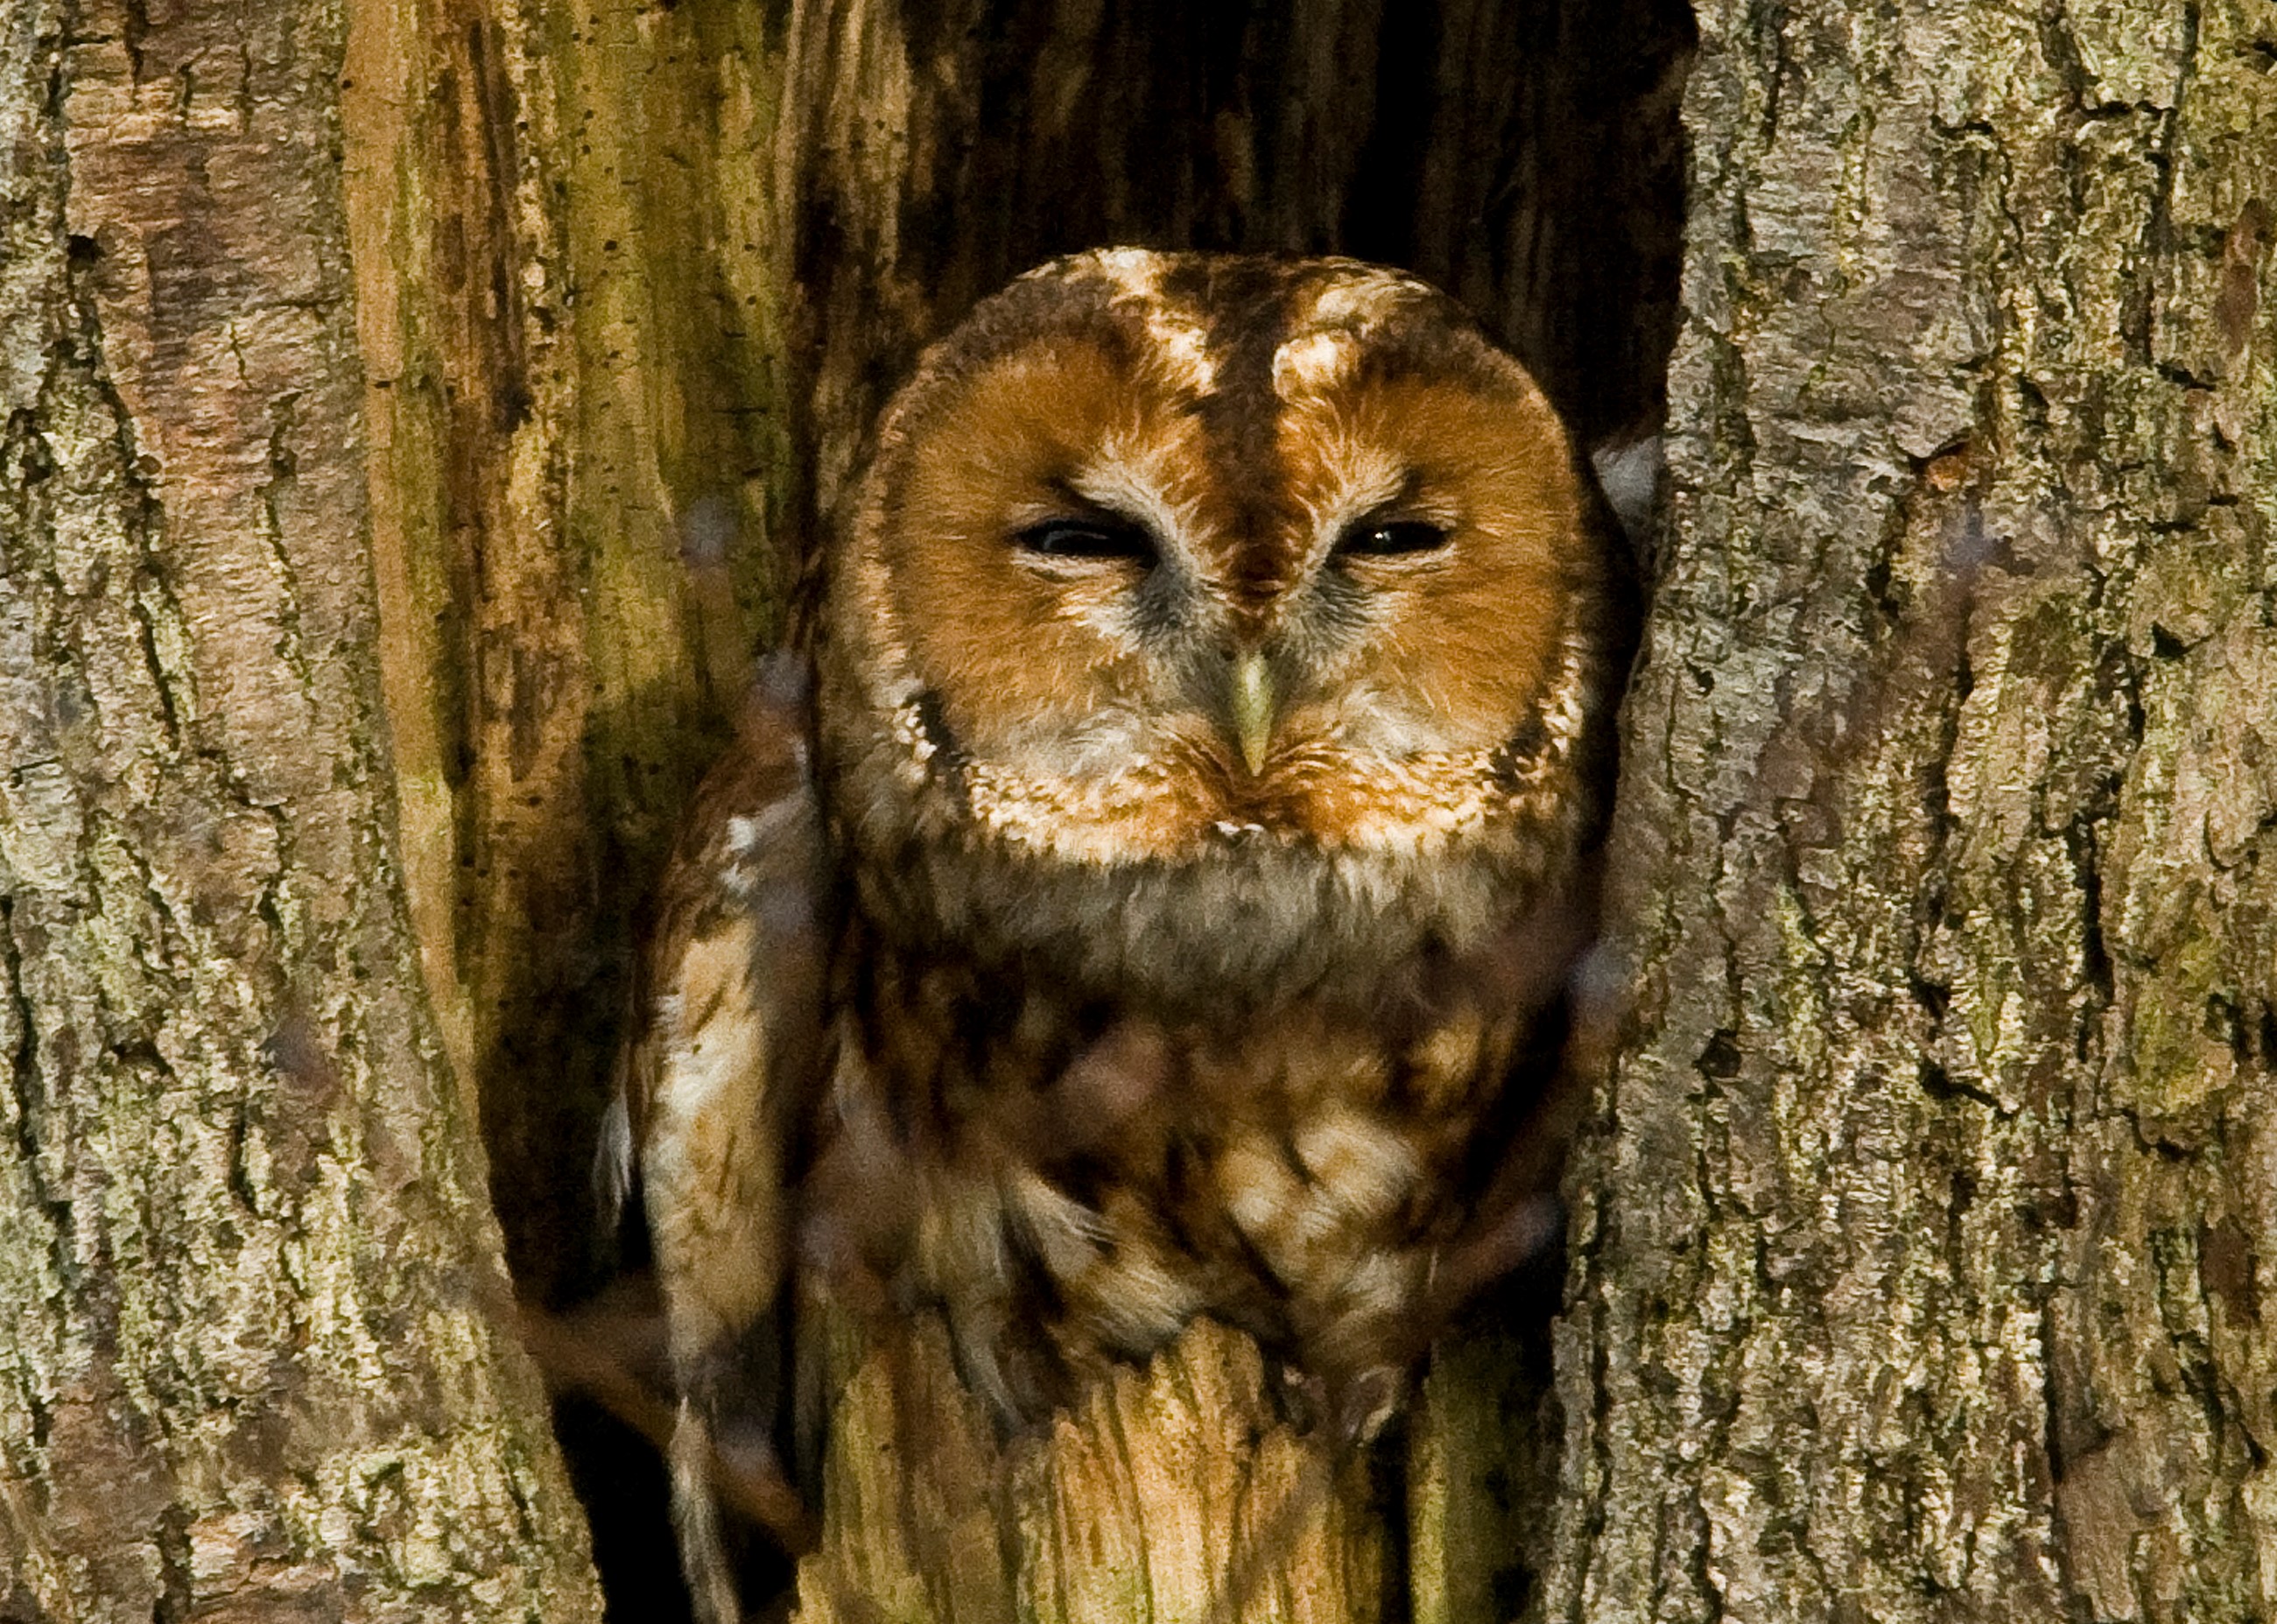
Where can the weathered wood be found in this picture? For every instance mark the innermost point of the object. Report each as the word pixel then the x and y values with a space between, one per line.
pixel 255 1355
pixel 1172 1496
pixel 1479 1481
pixel 576 483
pixel 1918 1247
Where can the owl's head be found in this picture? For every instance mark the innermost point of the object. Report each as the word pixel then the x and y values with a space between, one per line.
pixel 1210 629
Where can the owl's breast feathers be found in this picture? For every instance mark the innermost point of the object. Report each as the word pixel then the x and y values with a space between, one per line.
pixel 1070 1176
pixel 1074 1180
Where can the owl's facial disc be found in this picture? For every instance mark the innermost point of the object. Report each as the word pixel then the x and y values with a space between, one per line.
pixel 1311 590
pixel 1174 565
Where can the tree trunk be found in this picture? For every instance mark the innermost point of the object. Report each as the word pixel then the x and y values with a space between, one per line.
pixel 1917 1250
pixel 1172 1493
pixel 255 1349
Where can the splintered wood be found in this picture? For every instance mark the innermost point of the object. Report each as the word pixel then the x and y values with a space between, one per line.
pixel 1172 1495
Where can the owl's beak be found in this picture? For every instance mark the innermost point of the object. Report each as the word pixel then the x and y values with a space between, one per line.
pixel 1252 707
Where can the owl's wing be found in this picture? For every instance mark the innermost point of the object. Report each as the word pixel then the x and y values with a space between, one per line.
pixel 728 1036
pixel 727 1023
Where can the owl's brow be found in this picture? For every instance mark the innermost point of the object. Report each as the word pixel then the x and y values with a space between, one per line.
pixel 1080 503
pixel 1362 497
pixel 1356 492
pixel 1142 502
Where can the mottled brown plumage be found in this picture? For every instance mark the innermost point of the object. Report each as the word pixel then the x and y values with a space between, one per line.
pixel 1214 675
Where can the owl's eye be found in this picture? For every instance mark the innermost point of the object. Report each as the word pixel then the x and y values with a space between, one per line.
pixel 1375 539
pixel 1087 538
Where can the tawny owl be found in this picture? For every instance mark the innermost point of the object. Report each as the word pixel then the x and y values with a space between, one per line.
pixel 1211 688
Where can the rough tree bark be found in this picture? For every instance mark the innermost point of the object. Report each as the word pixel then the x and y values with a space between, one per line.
pixel 1918 1246
pixel 256 1350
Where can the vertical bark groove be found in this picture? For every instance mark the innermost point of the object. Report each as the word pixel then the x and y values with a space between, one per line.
pixel 566 310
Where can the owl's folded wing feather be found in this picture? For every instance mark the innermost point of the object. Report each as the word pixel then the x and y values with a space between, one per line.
pixel 729 1031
